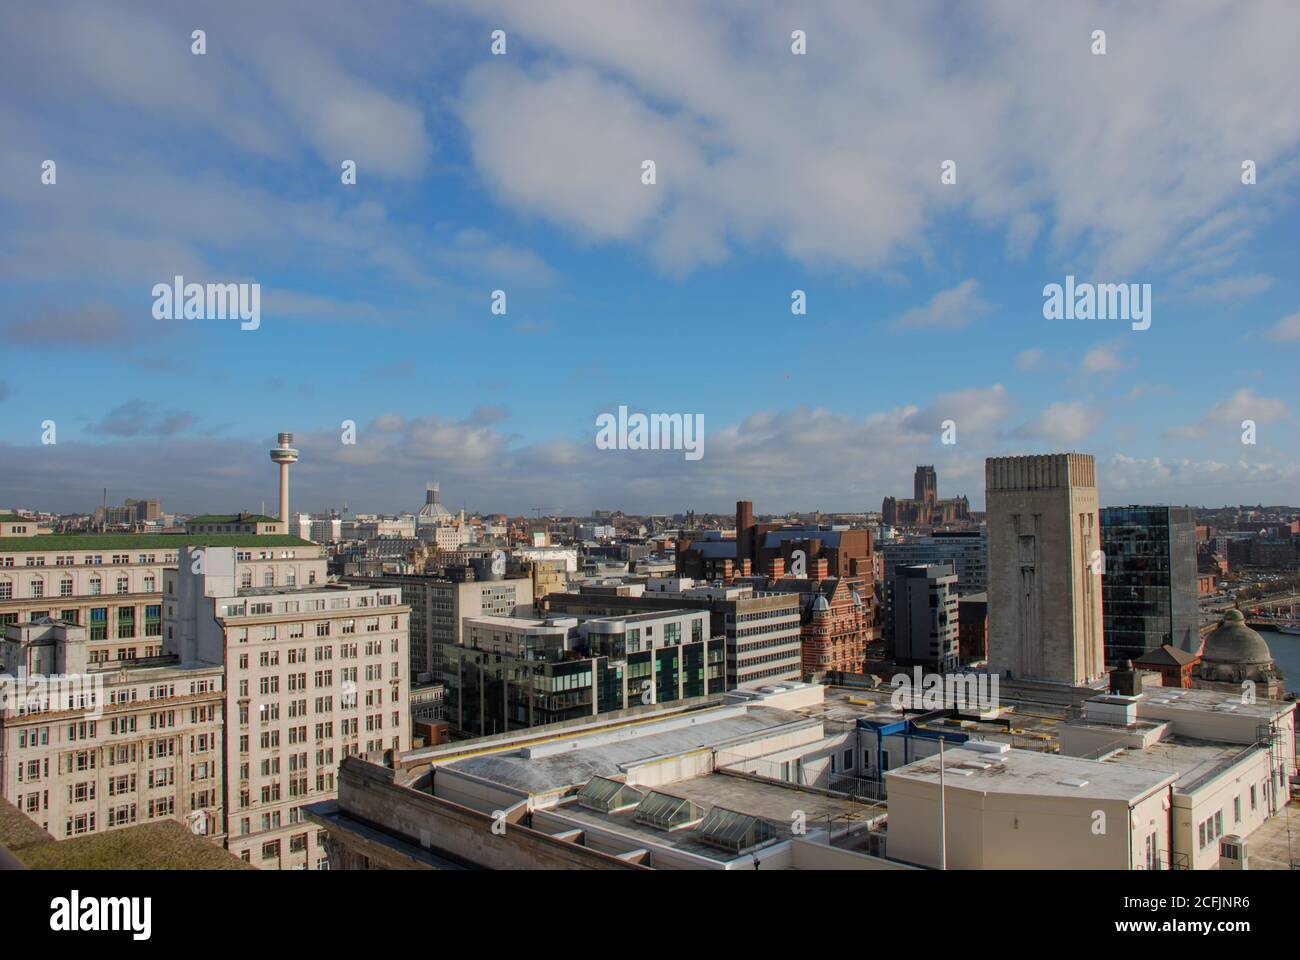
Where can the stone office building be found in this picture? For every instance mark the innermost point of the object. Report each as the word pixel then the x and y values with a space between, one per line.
pixel 108 747
pixel 314 673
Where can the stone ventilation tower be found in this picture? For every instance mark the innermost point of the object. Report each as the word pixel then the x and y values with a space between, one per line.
pixel 284 455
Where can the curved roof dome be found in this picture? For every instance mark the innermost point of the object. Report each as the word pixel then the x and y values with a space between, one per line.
pixel 1234 642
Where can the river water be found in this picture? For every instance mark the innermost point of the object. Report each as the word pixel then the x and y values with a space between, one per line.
pixel 1286 654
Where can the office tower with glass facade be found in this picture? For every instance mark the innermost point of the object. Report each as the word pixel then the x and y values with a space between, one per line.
pixel 1149 585
pixel 517 672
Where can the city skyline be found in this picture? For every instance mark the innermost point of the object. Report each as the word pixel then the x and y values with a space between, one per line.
pixel 407 505
pixel 924 298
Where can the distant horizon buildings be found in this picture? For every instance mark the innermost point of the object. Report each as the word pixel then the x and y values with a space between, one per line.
pixel 924 508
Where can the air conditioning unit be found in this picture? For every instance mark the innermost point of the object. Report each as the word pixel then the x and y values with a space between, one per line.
pixel 1232 852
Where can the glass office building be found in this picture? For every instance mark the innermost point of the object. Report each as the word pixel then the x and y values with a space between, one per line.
pixel 1149 585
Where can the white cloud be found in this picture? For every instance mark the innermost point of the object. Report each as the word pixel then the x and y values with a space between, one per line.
pixel 1062 422
pixel 1128 160
pixel 1104 358
pixel 1122 478
pixel 1030 359
pixel 1288 328
pixel 1237 287
pixel 1246 404
pixel 946 310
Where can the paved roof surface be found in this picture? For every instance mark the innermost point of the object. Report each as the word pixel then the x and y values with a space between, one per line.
pixel 576 766
pixel 1031 773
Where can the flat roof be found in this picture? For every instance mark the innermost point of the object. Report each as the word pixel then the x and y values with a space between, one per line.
pixel 650 615
pixel 232 518
pixel 774 802
pixel 162 845
pixel 134 541
pixel 1204 701
pixel 1028 772
pixel 667 737
pixel 1193 761
pixel 522 623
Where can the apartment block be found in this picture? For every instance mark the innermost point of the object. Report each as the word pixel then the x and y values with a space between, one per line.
pixel 100 749
pixel 315 672
pixel 112 584
pixel 924 617
pixel 966 551
pixel 762 629
pixel 439 607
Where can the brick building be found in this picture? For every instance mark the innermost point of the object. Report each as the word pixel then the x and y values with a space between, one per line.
pixel 924 509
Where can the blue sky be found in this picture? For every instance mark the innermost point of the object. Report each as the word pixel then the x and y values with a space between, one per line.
pixel 522 172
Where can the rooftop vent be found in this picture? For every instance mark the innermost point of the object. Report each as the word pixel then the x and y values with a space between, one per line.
pixel 1075 782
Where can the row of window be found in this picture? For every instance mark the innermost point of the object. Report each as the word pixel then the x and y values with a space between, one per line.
pixel 66 587
pixel 90 560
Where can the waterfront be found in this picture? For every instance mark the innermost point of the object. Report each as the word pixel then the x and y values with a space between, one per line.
pixel 1286 653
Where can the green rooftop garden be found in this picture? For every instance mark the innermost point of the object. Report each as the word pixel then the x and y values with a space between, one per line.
pixel 142 541
pixel 162 845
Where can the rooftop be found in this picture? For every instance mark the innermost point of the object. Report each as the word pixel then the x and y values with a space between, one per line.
pixel 163 845
pixel 1165 655
pixel 233 518
pixel 730 815
pixel 154 541
pixel 535 771
pixel 1193 761
pixel 1039 774
pixel 1215 701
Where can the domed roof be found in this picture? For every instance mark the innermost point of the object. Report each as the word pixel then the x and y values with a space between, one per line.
pixel 820 605
pixel 1234 642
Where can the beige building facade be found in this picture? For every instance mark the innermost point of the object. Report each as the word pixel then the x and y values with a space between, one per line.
pixel 1020 809
pixel 1044 529
pixel 315 672
pixel 1233 759
pixel 112 584
pixel 108 747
